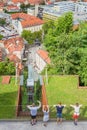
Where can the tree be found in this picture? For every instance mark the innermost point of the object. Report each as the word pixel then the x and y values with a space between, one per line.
pixel 10 68
pixel 83 50
pixel 64 24
pixel 67 48
pixel 83 71
pixel 7 67
pixel 27 35
pixel 38 35
pixel 62 47
pixel 64 53
pixel 32 36
pixel 1 36
pixel 82 32
pixel 48 25
pixel 23 7
pixel 2 22
pixel 28 5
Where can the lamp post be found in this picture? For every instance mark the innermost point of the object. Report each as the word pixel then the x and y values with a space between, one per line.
pixel 16 74
pixel 46 76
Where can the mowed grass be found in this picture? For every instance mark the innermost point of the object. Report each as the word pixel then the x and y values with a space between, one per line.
pixel 65 89
pixel 8 99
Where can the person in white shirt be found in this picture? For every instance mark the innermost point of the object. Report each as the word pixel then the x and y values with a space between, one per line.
pixel 45 114
pixel 33 111
pixel 76 112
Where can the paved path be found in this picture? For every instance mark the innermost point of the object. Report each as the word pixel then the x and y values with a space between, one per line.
pixel 25 125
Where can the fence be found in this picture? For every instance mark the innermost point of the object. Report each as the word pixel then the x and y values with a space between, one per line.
pixel 19 107
pixel 44 97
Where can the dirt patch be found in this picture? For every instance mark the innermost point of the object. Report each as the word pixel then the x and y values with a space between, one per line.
pixel 6 79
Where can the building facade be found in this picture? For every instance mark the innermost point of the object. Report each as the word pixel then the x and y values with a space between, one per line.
pixel 22 21
pixel 42 59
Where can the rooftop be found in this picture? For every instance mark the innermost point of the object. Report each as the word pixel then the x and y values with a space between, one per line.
pixel 12 7
pixel 35 1
pixel 56 9
pixel 27 20
pixel 14 44
pixel 7 30
pixel 44 55
pixel 18 1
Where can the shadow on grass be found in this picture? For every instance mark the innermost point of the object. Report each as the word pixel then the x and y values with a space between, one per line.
pixel 8 104
pixel 68 113
pixel 83 114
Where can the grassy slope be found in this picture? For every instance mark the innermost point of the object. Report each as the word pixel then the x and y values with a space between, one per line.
pixel 64 89
pixel 8 98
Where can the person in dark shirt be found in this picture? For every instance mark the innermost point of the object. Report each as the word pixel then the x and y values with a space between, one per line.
pixel 59 109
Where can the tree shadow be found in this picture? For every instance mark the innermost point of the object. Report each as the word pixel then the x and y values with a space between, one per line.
pixel 83 114
pixel 68 113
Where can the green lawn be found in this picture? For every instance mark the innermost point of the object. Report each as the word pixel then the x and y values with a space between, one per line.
pixel 8 99
pixel 65 89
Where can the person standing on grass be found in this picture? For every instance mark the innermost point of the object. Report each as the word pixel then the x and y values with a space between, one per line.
pixel 59 108
pixel 33 111
pixel 46 114
pixel 76 112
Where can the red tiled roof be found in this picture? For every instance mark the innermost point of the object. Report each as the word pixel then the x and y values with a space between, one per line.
pixel 2 41
pixel 6 79
pixel 20 66
pixel 14 44
pixel 18 1
pixel 10 7
pixel 49 2
pixel 35 1
pixel 27 20
pixel 13 58
pixel 44 55
pixel 1 4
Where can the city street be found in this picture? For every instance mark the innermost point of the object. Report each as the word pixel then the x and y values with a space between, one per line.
pixel 31 57
pixel 25 125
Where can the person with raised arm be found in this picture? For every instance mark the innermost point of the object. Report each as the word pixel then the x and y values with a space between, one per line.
pixel 45 114
pixel 76 112
pixel 33 111
pixel 59 108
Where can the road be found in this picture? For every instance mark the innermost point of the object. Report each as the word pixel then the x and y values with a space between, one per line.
pixel 25 125
pixel 31 56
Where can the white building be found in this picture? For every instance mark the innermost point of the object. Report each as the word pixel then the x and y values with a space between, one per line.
pixel 31 11
pixel 22 21
pixel 42 59
pixel 59 7
pixel 81 7
pixel 55 10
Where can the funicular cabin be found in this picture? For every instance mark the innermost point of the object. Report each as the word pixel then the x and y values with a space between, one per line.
pixel 30 89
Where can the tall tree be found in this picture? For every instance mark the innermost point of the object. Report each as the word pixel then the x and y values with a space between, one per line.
pixel 1 36
pixel 83 71
pixel 32 36
pixel 9 68
pixel 64 52
pixel 48 25
pixel 62 47
pixel 27 35
pixel 64 24
pixel 2 22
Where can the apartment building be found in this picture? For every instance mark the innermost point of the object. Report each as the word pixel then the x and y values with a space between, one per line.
pixel 55 10
pixel 22 21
